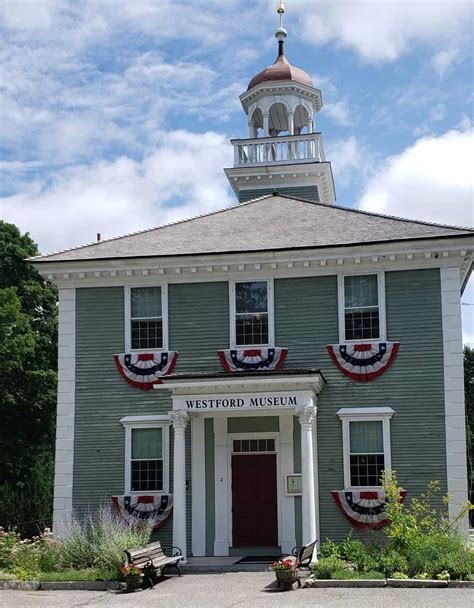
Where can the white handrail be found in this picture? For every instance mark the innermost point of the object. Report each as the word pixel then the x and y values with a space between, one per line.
pixel 287 149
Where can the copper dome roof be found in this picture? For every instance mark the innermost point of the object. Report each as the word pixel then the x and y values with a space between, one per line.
pixel 281 70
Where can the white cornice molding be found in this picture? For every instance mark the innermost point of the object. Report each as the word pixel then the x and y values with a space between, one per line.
pixel 222 267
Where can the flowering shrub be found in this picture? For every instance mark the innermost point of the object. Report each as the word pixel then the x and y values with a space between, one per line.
pixel 284 564
pixel 130 570
pixel 37 554
pixel 8 540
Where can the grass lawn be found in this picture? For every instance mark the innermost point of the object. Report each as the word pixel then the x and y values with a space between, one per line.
pixel 69 575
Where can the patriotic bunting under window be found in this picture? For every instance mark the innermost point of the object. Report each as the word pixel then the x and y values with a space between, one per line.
pixel 363 362
pixel 139 509
pixel 252 359
pixel 365 508
pixel 143 370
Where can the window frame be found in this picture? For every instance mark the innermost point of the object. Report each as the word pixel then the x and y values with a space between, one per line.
pixel 128 317
pixel 233 312
pixel 341 306
pixel 146 422
pixel 365 414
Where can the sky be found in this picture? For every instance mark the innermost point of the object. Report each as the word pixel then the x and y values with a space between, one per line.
pixel 116 115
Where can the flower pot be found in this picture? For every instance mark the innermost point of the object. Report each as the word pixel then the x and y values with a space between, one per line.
pixel 287 578
pixel 134 581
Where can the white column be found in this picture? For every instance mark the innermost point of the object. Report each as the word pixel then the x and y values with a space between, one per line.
pixel 287 530
pixel 454 391
pixel 221 541
pixel 266 131
pixel 198 481
pixel 251 129
pixel 63 478
pixel 306 417
pixel 309 124
pixel 291 123
pixel 179 420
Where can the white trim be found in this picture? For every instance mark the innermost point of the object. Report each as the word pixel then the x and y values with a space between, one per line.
pixel 287 466
pixel 270 311
pixel 456 468
pixel 256 435
pixel 198 482
pixel 381 304
pixel 64 461
pixel 164 315
pixel 140 422
pixel 347 415
pixel 221 540
pixel 287 383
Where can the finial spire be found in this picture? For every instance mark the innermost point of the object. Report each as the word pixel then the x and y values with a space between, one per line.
pixel 281 33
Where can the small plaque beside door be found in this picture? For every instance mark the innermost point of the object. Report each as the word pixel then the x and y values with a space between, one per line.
pixel 293 486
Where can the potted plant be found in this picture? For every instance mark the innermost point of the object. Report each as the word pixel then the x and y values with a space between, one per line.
pixel 133 575
pixel 286 572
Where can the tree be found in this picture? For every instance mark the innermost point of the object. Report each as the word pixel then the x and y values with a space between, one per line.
pixel 28 360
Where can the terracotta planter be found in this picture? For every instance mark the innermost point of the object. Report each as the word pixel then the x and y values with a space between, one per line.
pixel 287 578
pixel 134 581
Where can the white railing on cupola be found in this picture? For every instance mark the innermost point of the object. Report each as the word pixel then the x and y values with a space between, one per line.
pixel 286 149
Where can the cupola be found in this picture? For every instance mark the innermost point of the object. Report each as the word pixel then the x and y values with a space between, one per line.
pixel 283 152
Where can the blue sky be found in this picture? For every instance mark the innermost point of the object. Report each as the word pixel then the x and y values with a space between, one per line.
pixel 116 115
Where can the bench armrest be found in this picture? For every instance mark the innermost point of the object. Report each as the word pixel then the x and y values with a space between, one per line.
pixel 175 551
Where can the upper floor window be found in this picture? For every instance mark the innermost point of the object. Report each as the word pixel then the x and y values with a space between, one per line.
pixel 366 445
pixel 252 313
pixel 146 323
pixel 361 310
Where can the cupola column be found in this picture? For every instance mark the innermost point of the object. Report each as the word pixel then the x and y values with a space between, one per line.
pixel 252 133
pixel 266 122
pixel 291 123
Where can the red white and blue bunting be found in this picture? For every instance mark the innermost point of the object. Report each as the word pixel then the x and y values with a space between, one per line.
pixel 363 362
pixel 143 370
pixel 365 509
pixel 252 359
pixel 140 509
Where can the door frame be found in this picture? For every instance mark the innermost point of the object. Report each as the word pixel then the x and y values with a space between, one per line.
pixel 230 439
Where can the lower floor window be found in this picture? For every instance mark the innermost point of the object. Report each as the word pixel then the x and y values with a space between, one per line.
pixel 366 445
pixel 146 454
pixel 367 458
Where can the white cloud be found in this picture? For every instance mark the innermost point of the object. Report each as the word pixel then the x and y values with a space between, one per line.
pixel 383 30
pixel 431 180
pixel 179 178
pixel 339 112
pixel 443 60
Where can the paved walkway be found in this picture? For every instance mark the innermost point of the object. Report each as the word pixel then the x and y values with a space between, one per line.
pixel 242 589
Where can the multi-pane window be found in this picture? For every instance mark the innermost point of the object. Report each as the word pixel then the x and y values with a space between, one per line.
pixel 366 452
pixel 146 462
pixel 146 318
pixel 251 313
pixel 253 445
pixel 361 307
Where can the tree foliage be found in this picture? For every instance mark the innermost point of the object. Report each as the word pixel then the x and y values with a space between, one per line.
pixel 28 346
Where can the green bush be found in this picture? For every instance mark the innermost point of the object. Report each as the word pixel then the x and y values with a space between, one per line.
pixel 8 540
pixel 330 567
pixel 38 554
pixel 391 561
pixel 99 541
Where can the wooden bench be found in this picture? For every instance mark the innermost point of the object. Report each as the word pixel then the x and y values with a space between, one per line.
pixel 304 554
pixel 153 561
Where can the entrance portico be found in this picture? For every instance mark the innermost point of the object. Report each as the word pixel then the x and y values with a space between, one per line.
pixel 265 406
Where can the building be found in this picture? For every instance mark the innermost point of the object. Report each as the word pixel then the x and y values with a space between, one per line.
pixel 246 375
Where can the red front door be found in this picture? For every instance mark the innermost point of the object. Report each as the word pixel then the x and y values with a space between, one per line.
pixel 254 500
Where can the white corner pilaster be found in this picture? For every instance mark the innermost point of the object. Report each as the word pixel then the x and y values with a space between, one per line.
pixel 454 390
pixel 221 541
pixel 64 461
pixel 287 533
pixel 179 420
pixel 306 418
pixel 198 468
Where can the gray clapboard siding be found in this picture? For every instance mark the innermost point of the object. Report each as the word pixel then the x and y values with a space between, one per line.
pixel 306 321
pixel 307 192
